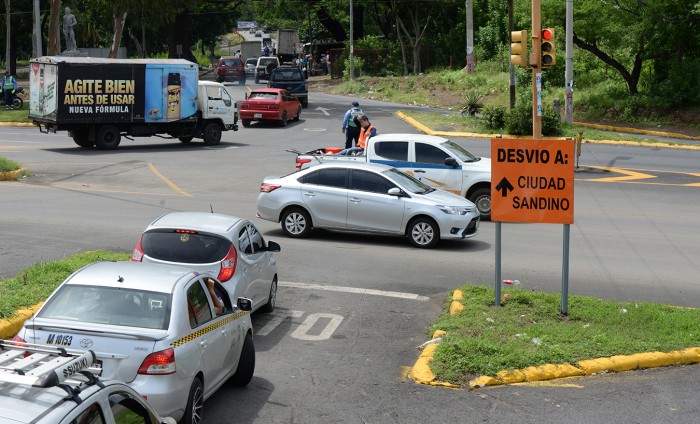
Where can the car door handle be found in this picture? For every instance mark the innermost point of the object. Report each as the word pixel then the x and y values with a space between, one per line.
pixel 310 194
pixel 419 171
pixel 203 343
pixel 355 200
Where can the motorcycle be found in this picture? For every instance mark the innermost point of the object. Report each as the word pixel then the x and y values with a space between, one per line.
pixel 17 101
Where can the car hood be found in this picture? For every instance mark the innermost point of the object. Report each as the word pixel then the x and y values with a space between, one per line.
pixel 483 164
pixel 441 197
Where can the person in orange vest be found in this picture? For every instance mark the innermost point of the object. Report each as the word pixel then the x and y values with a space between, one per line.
pixel 367 131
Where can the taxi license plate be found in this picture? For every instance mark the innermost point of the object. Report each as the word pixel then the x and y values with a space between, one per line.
pixel 257 115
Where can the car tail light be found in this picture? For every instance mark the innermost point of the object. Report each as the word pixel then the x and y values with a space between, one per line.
pixel 159 363
pixel 17 338
pixel 266 188
pixel 137 254
pixel 228 265
pixel 301 162
pixel 244 105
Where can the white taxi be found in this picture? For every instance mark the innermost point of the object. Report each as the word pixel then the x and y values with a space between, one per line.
pixel 154 327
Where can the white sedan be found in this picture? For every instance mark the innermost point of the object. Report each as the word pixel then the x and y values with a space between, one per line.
pixel 154 327
pixel 365 197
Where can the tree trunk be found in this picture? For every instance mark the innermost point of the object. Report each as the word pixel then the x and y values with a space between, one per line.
pixel 8 27
pixel 179 35
pixel 54 46
pixel 139 49
pixel 119 20
pixel 632 79
pixel 399 24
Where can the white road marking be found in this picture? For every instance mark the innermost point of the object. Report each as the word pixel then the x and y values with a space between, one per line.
pixel 400 295
pixel 301 333
pixel 315 129
pixel 324 110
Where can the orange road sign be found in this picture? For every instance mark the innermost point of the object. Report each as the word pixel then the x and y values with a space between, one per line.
pixel 532 181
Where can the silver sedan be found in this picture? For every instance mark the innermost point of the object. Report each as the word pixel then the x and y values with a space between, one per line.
pixel 365 197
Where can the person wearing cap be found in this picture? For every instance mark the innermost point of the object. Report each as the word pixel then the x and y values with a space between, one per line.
pixel 8 86
pixel 367 131
pixel 351 126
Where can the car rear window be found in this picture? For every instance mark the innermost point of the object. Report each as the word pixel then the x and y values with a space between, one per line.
pixel 109 305
pixel 254 95
pixel 288 74
pixel 184 247
pixel 230 62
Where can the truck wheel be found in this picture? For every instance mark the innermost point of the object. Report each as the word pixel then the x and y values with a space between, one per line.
pixel 211 134
pixel 305 102
pixel 296 223
pixel 246 364
pixel 482 199
pixel 185 139
pixel 107 137
pixel 82 140
pixel 283 122
pixel 245 122
pixel 423 232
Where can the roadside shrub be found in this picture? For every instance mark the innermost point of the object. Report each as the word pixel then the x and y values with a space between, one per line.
pixel 494 117
pixel 472 103
pixel 7 165
pixel 519 120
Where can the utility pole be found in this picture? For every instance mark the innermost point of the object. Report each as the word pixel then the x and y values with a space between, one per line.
pixel 470 36
pixel 569 77
pixel 38 48
pixel 352 45
pixel 511 24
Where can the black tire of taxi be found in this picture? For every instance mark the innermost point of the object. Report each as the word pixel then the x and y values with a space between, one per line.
pixel 195 404
pixel 246 364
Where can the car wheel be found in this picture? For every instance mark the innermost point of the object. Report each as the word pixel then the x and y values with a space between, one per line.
pixel 296 118
pixel 296 223
pixel 270 305
pixel 185 139
pixel 283 121
pixel 195 404
pixel 107 137
pixel 245 122
pixel 482 199
pixel 17 103
pixel 423 232
pixel 246 364
pixel 211 134
pixel 81 139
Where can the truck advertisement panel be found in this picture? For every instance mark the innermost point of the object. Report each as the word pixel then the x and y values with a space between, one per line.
pixel 112 93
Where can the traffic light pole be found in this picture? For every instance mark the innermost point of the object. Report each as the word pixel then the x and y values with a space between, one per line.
pixel 535 63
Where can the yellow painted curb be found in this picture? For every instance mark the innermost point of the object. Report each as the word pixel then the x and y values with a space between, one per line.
pixel 11 326
pixel 636 131
pixel 456 307
pixel 16 124
pixel 457 295
pixel 13 175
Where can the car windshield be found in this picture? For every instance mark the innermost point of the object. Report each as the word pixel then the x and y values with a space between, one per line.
pixel 109 305
pixel 184 247
pixel 407 182
pixel 255 95
pixel 459 151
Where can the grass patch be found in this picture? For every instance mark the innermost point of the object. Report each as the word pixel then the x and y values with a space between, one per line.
pixel 528 331
pixel 35 284
pixel 17 115
pixel 7 165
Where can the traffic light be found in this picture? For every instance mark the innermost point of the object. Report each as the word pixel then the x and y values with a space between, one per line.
pixel 547 48
pixel 518 48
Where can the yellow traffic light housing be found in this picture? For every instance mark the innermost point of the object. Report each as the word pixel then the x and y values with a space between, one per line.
pixel 518 48
pixel 547 48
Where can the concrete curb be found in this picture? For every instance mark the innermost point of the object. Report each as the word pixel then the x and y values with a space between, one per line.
pixel 422 374
pixel 11 326
pixel 429 131
pixel 13 175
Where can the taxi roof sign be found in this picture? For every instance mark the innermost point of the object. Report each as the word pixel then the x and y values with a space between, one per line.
pixel 532 181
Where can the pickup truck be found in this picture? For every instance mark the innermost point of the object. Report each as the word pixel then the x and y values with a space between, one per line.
pixel 436 161
pixel 291 79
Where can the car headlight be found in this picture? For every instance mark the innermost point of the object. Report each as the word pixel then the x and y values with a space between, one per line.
pixel 454 210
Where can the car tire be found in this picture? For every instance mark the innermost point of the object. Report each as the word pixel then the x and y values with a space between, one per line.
pixel 185 139
pixel 272 297
pixel 17 103
pixel 423 232
pixel 296 118
pixel 283 121
pixel 245 122
pixel 82 140
pixel 296 223
pixel 195 404
pixel 107 137
pixel 482 199
pixel 211 134
pixel 246 364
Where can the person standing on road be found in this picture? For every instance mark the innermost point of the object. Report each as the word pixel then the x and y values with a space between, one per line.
pixel 351 126
pixel 8 87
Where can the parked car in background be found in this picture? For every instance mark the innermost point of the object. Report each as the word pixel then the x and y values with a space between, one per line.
pixel 250 65
pixel 264 67
pixel 148 325
pixel 292 79
pixel 229 247
pixel 230 68
pixel 365 197
pixel 30 392
pixel 269 104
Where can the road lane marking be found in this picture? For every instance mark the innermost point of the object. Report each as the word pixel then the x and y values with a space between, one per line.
pixel 400 295
pixel 167 181
pixel 628 175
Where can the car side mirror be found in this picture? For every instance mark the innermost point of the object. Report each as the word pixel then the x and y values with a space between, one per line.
pixel 273 247
pixel 451 162
pixel 244 304
pixel 395 191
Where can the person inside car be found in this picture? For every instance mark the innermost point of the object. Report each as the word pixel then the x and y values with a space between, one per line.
pixel 218 304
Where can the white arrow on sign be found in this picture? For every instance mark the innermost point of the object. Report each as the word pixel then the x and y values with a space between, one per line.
pixel 324 110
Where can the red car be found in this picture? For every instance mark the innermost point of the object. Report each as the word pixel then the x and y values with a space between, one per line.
pixel 230 68
pixel 269 104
